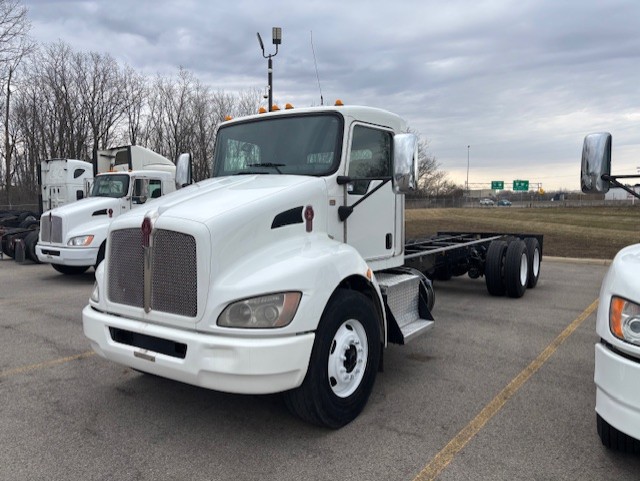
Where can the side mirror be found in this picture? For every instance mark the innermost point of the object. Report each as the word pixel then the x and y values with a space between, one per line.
pixel 596 162
pixel 405 163
pixel 139 199
pixel 183 171
pixel 79 195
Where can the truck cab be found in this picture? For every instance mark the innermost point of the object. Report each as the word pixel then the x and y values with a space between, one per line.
pixel 63 181
pixel 73 237
pixel 282 273
pixel 617 352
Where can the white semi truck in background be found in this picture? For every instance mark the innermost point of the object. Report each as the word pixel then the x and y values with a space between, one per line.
pixel 60 182
pixel 73 237
pixel 617 354
pixel 288 271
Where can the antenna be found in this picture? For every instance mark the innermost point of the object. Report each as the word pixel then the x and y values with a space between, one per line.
pixel 316 65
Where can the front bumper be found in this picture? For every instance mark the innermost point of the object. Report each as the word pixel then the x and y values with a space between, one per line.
pixel 617 381
pixel 68 256
pixel 223 363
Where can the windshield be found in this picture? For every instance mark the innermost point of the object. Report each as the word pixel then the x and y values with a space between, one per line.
pixel 298 144
pixel 110 186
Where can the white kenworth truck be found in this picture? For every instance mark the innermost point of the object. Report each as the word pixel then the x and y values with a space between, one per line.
pixel 73 236
pixel 287 271
pixel 617 354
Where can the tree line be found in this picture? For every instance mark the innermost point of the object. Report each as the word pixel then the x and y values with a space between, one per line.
pixel 61 103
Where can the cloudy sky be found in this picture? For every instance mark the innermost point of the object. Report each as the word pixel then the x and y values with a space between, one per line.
pixel 520 82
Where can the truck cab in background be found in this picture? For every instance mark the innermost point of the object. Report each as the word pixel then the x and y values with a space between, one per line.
pixel 63 181
pixel 73 237
pixel 617 353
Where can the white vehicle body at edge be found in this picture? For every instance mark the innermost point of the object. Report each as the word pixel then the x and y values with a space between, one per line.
pixel 617 363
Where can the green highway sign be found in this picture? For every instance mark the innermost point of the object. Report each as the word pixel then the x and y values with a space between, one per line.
pixel 521 185
pixel 497 184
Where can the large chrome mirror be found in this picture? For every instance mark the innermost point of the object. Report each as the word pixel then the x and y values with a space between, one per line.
pixel 405 163
pixel 596 161
pixel 183 171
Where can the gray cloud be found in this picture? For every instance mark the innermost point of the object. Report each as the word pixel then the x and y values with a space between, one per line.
pixel 522 82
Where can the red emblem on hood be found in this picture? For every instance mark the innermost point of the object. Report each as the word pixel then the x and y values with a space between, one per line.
pixel 146 232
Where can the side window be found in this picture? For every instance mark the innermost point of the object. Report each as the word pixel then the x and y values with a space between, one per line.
pixel 155 188
pixel 369 157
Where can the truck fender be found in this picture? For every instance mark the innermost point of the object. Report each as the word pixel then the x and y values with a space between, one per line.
pixel 316 266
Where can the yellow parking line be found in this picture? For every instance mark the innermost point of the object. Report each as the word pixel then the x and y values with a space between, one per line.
pixel 448 453
pixel 42 365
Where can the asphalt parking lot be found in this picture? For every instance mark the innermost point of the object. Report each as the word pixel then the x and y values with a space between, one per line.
pixel 500 389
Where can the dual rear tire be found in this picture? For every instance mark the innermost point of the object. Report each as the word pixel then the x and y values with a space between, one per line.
pixel 512 267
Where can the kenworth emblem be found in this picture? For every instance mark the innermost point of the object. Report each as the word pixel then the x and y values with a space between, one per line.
pixel 146 232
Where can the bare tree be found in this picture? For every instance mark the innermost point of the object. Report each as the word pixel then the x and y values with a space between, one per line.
pixel 14 45
pixel 102 96
pixel 431 180
pixel 136 93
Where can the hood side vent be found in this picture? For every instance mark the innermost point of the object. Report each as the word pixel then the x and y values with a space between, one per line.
pixel 288 217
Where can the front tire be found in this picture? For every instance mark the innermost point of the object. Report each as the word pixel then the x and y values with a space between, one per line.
pixel 613 439
pixel 69 270
pixel 343 364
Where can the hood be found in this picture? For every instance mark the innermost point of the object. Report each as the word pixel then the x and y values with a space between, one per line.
pixel 622 278
pixel 229 223
pixel 227 196
pixel 83 213
pixel 89 207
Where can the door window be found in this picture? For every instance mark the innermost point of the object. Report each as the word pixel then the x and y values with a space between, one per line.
pixel 369 157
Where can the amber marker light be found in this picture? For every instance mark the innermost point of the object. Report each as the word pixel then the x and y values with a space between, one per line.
pixel 615 316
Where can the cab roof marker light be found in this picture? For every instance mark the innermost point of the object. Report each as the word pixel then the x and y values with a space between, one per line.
pixel 227 118
pixel 288 107
pixel 339 103
pixel 262 110
pixel 274 108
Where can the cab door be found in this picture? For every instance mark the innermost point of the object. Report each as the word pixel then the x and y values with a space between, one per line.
pixel 371 227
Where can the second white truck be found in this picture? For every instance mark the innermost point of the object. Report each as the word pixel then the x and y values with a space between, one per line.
pixel 617 353
pixel 73 236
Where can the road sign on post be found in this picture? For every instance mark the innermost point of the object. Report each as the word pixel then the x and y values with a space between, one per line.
pixel 520 185
pixel 497 184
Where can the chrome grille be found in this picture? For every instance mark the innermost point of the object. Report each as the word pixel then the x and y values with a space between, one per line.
pixel 126 267
pixel 45 228
pixel 56 229
pixel 173 271
pixel 51 228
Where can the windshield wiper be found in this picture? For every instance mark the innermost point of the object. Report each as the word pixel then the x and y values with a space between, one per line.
pixel 268 164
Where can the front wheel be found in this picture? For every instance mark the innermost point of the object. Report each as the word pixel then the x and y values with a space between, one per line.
pixel 613 439
pixel 69 270
pixel 343 364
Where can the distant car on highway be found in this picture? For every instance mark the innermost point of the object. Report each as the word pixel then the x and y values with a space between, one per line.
pixel 486 202
pixel 504 203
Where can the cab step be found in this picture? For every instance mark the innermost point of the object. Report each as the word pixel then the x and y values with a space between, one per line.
pixel 407 314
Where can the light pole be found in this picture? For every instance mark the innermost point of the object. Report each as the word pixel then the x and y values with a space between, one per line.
pixel 468 149
pixel 276 33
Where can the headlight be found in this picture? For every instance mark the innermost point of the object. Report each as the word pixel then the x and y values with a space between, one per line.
pixel 95 294
pixel 273 310
pixel 624 320
pixel 83 240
